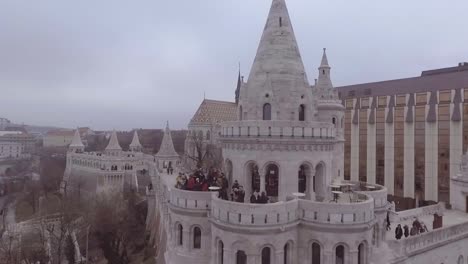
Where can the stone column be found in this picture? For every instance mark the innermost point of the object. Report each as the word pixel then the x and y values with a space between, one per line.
pixel 353 257
pixel 327 256
pixel 262 179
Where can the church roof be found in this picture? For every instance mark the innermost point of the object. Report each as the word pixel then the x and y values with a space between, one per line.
pixel 167 145
pixel 135 141
pixel 113 142
pixel 76 141
pixel 324 62
pixel 278 53
pixel 212 111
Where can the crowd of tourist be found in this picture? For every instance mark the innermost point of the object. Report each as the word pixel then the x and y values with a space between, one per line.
pixel 418 227
pixel 202 181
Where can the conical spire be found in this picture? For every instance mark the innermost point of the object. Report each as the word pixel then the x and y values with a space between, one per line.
pixel 324 63
pixel 277 64
pixel 113 142
pixel 135 145
pixel 167 146
pixel 76 142
pixel 324 82
pixel 239 84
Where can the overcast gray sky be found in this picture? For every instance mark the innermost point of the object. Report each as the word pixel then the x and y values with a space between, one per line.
pixel 130 64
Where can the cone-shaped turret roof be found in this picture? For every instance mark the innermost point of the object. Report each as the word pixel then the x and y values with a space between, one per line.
pixel 324 80
pixel 76 142
pixel 135 141
pixel 113 142
pixel 167 146
pixel 278 71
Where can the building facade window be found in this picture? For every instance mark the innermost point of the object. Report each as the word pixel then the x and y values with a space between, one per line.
pixel 362 254
pixel 347 145
pixel 266 255
pixel 180 235
pixel 220 252
pixel 419 150
pixel 340 255
pixel 399 150
pixel 380 146
pixel 302 113
pixel 316 253
pixel 443 163
pixel 266 111
pixel 241 257
pixel 363 145
pixel 196 237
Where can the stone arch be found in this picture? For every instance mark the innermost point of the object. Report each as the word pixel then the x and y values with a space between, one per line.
pixel 196 236
pixel 305 175
pixel 219 250
pixel 241 249
pixel 267 253
pixel 320 181
pixel 252 177
pixel 271 171
pixel 340 253
pixel 288 252
pixel 302 112
pixel 179 233
pixel 460 260
pixel 315 250
pixel 362 252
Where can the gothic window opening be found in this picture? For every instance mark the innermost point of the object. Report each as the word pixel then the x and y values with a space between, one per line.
pixel 340 254
pixel 315 253
pixel 220 252
pixel 241 257
pixel 361 254
pixel 197 238
pixel 266 255
pixel 323 71
pixel 280 21
pixel 240 113
pixel 271 180
pixel 266 111
pixel 180 234
pixel 302 112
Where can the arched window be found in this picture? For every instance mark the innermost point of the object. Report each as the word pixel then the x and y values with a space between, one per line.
pixel 272 180
pixel 340 254
pixel 334 120
pixel 208 135
pixel 287 254
pixel 302 112
pixel 460 260
pixel 316 253
pixel 180 235
pixel 220 252
pixel 362 254
pixel 197 238
pixel 241 257
pixel 266 111
pixel 266 255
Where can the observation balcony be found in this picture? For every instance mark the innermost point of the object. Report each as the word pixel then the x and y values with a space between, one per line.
pixel 277 128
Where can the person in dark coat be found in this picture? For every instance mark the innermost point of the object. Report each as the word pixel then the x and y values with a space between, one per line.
pixel 240 194
pixel 398 232
pixel 253 199
pixel 406 230
pixel 263 198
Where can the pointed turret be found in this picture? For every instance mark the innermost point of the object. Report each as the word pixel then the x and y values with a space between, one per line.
pixel 239 84
pixel 76 143
pixel 324 89
pixel 277 76
pixel 135 145
pixel 167 146
pixel 113 143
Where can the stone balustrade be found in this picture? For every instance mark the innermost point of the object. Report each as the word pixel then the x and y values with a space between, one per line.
pixel 190 199
pixel 254 214
pixel 299 129
pixel 427 241
pixel 337 213
pixel 379 194
pixel 281 213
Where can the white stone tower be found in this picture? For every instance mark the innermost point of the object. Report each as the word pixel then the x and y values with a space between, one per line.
pixel 113 147
pixel 76 144
pixel 167 156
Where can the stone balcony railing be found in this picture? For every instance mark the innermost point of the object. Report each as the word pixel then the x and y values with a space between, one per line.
pixel 245 214
pixel 426 241
pixel 379 194
pixel 281 213
pixel 419 212
pixel 190 199
pixel 297 129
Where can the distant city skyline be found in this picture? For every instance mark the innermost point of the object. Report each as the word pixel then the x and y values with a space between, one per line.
pixel 122 65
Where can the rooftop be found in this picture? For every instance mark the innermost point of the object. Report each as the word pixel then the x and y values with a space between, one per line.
pixel 432 80
pixel 213 111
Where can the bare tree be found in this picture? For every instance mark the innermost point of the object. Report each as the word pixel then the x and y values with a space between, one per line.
pixel 205 154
